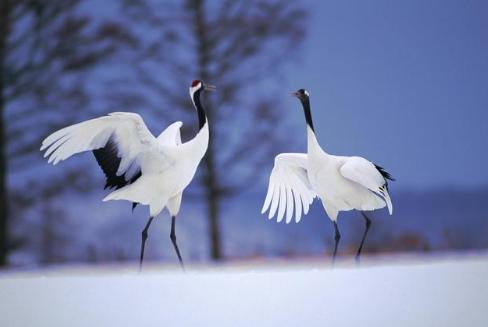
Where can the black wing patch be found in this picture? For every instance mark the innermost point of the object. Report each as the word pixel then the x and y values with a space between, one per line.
pixel 386 175
pixel 109 161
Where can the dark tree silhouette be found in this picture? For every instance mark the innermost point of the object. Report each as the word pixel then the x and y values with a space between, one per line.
pixel 46 48
pixel 4 13
pixel 237 45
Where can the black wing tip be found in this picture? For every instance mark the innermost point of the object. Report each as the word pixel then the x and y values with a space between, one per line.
pixel 384 173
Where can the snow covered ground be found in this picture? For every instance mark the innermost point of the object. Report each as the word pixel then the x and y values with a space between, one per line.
pixel 448 291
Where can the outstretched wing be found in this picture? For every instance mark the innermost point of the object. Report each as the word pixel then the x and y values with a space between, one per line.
pixel 118 142
pixel 171 135
pixel 289 187
pixel 365 173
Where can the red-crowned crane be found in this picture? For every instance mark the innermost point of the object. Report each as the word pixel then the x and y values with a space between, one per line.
pixel 342 183
pixel 143 169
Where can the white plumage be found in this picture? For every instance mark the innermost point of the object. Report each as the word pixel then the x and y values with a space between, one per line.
pixel 289 187
pixel 166 165
pixel 144 169
pixel 342 183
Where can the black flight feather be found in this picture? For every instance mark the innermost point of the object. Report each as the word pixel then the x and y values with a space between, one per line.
pixel 109 161
pixel 386 175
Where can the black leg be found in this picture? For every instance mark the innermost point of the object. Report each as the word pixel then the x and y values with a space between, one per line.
pixel 337 237
pixel 173 239
pixel 368 224
pixel 143 243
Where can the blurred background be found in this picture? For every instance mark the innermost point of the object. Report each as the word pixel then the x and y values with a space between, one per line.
pixel 403 84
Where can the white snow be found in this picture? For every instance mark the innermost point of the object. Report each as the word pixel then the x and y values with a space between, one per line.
pixel 443 292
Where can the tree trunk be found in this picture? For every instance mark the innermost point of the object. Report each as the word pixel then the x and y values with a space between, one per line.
pixel 213 199
pixel 4 239
pixel 211 185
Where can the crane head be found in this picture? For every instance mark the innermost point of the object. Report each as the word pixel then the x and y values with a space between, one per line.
pixel 301 94
pixel 199 85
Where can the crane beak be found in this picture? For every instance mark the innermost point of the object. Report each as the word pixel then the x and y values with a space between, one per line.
pixel 208 87
pixel 295 94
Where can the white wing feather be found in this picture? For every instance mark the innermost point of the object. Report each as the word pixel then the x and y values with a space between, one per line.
pixel 288 188
pixel 364 172
pixel 133 139
pixel 171 135
pixel 128 129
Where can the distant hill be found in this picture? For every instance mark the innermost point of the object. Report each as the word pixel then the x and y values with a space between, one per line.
pixel 433 220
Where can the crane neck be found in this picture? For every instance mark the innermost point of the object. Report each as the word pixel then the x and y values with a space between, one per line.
pixel 308 114
pixel 312 143
pixel 197 146
pixel 202 116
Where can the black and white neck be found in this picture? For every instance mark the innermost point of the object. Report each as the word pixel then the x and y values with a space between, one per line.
pixel 306 110
pixel 312 143
pixel 195 92
pixel 304 98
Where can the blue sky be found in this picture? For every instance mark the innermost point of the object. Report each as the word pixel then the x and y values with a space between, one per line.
pixel 403 83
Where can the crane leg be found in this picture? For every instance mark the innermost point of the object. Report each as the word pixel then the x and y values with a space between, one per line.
pixel 368 225
pixel 337 238
pixel 143 243
pixel 173 239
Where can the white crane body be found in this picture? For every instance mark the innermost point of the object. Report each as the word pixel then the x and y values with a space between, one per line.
pixel 341 183
pixel 166 165
pixel 143 169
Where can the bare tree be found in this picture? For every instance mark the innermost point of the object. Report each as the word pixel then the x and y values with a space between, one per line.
pixel 4 13
pixel 236 45
pixel 46 49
